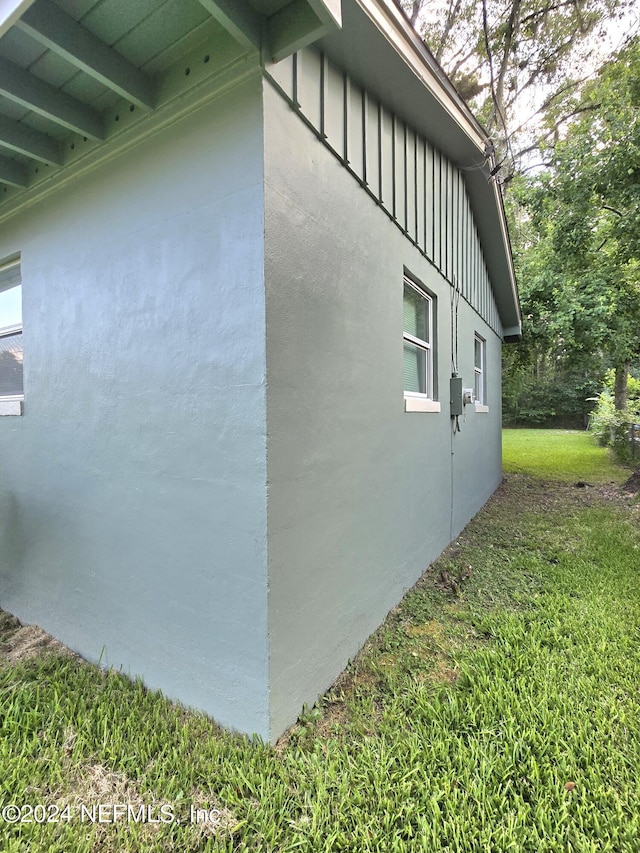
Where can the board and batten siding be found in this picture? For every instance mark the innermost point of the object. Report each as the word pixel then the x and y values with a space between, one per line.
pixel 416 185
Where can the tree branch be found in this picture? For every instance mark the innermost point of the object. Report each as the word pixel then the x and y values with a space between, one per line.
pixel 416 8
pixel 540 12
pixel 577 112
pixel 452 12
pixel 573 84
pixel 542 164
pixel 512 27
pixel 497 107
pixel 458 65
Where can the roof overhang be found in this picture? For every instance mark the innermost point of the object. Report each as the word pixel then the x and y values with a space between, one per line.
pixel 79 82
pixel 380 50
pixel 10 11
pixel 276 27
pixel 76 89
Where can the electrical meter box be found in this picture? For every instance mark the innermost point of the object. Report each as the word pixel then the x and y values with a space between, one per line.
pixel 456 395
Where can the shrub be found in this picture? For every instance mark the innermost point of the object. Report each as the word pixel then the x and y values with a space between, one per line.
pixel 612 428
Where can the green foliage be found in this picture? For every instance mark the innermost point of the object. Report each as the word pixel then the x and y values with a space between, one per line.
pixel 577 248
pixel 555 398
pixel 544 385
pixel 605 421
pixel 612 427
pixel 633 390
pixel 573 173
pixel 593 211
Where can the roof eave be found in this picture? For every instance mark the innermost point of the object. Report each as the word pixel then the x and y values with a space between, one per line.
pixel 379 48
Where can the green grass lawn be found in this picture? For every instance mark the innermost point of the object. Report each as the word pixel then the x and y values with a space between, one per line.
pixel 556 454
pixel 495 710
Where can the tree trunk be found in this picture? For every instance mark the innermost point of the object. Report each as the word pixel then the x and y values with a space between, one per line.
pixel 415 11
pixel 620 386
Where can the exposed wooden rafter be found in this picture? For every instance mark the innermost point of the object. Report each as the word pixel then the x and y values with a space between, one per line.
pixel 239 20
pixel 48 24
pixel 18 137
pixel 19 86
pixel 13 173
pixel 296 25
pixel 249 36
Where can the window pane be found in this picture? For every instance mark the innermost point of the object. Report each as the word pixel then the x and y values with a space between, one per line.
pixel 478 353
pixel 9 274
pixel 11 307
pixel 11 365
pixel 415 368
pixel 416 314
pixel 478 388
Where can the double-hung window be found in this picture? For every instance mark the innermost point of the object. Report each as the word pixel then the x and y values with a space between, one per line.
pixel 418 340
pixel 480 348
pixel 11 380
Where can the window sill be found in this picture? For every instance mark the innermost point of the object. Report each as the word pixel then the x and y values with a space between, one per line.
pixel 481 409
pixel 420 404
pixel 11 407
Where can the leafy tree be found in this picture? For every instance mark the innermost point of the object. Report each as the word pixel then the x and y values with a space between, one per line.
pixel 577 228
pixel 510 57
pixel 573 171
pixel 558 366
pixel 596 232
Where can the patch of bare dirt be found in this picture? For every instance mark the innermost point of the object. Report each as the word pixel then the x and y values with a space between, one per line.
pixel 633 483
pixel 94 785
pixel 91 786
pixel 444 673
pixel 452 580
pixel 536 495
pixel 8 623
pixel 21 642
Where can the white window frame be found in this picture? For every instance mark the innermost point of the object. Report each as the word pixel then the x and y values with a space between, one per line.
pixel 415 401
pixel 11 404
pixel 480 374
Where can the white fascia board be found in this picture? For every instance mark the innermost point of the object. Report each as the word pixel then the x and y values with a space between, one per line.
pixel 508 252
pixel 403 38
pixel 512 334
pixel 10 11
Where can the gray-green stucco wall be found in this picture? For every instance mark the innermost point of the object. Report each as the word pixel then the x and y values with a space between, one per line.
pixel 133 489
pixel 362 495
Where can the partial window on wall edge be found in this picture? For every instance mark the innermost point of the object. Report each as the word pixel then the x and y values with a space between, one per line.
pixel 11 351
pixel 480 353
